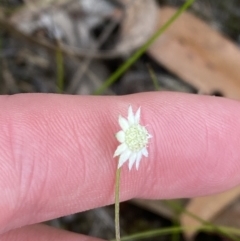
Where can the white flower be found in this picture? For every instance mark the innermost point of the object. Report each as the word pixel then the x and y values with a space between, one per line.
pixel 133 138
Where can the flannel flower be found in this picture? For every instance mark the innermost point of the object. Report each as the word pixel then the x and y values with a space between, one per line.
pixel 133 140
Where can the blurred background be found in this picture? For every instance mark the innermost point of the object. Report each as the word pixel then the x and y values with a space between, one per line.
pixel 74 46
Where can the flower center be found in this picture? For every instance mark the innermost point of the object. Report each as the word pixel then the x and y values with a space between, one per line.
pixel 136 137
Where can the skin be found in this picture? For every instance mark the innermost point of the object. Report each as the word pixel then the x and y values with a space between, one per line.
pixel 56 155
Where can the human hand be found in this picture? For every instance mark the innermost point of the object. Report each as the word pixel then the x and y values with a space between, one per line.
pixel 57 155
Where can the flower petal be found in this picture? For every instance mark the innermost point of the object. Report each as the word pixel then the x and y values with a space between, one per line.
pixel 137 115
pixel 139 157
pixel 145 152
pixel 124 157
pixel 120 149
pixel 132 159
pixel 123 123
pixel 120 136
pixel 130 115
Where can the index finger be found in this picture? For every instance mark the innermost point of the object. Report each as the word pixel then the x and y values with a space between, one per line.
pixel 57 151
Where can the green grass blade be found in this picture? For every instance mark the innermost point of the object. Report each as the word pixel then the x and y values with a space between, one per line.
pixel 153 78
pixel 60 70
pixel 142 50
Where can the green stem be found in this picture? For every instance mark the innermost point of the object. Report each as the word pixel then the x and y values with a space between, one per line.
pixel 117 207
pixel 178 208
pixel 171 230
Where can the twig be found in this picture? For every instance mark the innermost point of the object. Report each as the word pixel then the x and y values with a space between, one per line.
pixel 8 78
pixel 66 50
pixel 81 71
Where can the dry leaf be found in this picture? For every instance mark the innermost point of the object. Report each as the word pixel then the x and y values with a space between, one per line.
pixel 198 54
pixel 160 207
pixel 139 23
pixel 207 208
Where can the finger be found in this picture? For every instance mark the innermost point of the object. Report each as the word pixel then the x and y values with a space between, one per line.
pixel 42 232
pixel 57 151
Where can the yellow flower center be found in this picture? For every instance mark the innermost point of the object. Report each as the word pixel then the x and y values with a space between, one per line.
pixel 136 137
